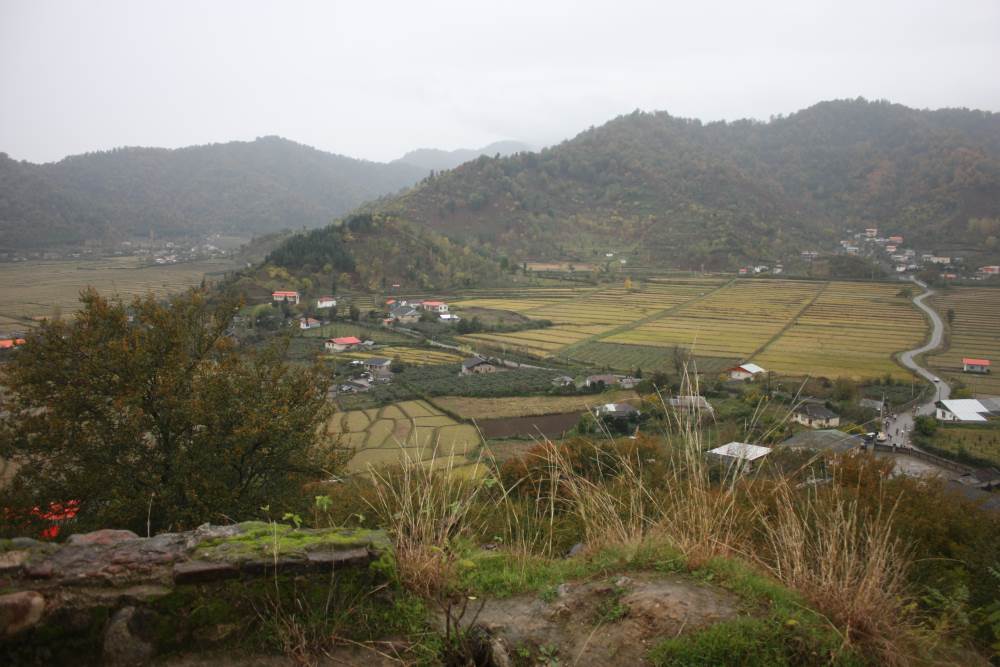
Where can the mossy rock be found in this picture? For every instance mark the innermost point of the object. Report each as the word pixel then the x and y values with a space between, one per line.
pixel 258 540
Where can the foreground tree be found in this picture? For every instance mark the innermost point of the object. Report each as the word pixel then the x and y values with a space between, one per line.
pixel 151 419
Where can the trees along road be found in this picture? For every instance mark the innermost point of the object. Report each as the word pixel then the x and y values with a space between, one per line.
pixel 903 423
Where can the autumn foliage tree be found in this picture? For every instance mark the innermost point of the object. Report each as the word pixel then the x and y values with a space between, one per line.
pixel 152 418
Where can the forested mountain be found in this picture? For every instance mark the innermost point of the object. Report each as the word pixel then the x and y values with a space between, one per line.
pixel 373 252
pixel 439 160
pixel 676 189
pixel 238 187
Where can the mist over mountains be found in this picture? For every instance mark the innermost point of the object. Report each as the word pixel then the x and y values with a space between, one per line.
pixel 434 158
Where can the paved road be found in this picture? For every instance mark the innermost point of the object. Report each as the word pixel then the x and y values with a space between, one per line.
pixel 899 427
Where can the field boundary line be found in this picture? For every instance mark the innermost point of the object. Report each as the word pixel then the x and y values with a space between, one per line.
pixel 643 320
pixel 795 318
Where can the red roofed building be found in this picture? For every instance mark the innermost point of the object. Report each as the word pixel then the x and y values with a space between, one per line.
pixel 970 365
pixel 341 344
pixel 10 343
pixel 288 296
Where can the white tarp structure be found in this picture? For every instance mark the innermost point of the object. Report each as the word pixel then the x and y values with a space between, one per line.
pixel 962 409
pixel 741 451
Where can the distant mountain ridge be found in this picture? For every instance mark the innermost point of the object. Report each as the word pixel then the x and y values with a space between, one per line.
pixel 440 160
pixel 669 189
pixel 243 187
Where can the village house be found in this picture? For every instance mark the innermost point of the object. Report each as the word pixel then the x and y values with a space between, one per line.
pixel 961 410
pixel 309 323
pixel 287 296
pixel 815 415
pixel 616 411
pixel 990 270
pixel 871 232
pixel 404 314
pixel 377 365
pixel 341 344
pixel 326 302
pixel 448 318
pixel 477 366
pixel 896 238
pixel 563 381
pixel 970 365
pixel 606 379
pixel 744 371
pixel 434 306
pixel 694 404
pixel 936 259
pixel 740 454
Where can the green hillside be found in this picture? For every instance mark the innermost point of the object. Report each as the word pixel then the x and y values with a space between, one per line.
pixel 667 188
pixel 239 187
pixel 370 253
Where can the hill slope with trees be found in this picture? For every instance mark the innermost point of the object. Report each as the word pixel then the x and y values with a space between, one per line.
pixel 668 188
pixel 239 187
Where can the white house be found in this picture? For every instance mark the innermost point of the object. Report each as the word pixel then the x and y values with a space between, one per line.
pixel 326 302
pixel 961 410
pixel 289 296
pixel 449 318
pixel 477 366
pixel 744 371
pixel 815 415
pixel 309 323
pixel 435 306
pixel 975 365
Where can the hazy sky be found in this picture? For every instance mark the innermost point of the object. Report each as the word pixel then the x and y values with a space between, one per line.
pixel 375 79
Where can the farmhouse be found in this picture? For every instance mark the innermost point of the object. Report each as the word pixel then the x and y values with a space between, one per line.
pixel 744 371
pixel 562 381
pixel 990 270
pixel 404 314
pixel 377 365
pixel 815 415
pixel 434 306
pixel 448 318
pixel 477 365
pixel 961 410
pixel 285 296
pixel 871 232
pixel 341 344
pixel 326 302
pixel 309 323
pixel 896 238
pixel 10 343
pixel 691 404
pixel 616 411
pixel 970 365
pixel 740 453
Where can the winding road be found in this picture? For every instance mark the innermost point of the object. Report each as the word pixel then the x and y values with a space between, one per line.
pixel 899 428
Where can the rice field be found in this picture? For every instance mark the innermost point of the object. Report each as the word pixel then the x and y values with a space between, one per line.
pixel 733 322
pixel 522 406
pixel 851 330
pixel 417 356
pixel 803 328
pixel 581 315
pixel 39 289
pixel 415 429
pixel 974 332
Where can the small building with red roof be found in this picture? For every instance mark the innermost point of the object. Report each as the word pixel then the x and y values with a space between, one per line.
pixel 288 296
pixel 341 344
pixel 970 365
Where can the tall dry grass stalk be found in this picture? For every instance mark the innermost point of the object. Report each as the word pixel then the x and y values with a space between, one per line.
pixel 424 507
pixel 849 566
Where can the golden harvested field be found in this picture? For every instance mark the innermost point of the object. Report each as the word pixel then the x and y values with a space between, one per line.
pixel 851 330
pixel 415 429
pixel 526 406
pixel 587 314
pixel 417 356
pixel 975 332
pixel 734 321
pixel 38 289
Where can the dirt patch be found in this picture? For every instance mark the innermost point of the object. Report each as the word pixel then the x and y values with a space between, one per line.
pixel 611 622
pixel 550 426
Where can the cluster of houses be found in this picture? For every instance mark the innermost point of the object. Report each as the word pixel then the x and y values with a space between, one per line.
pixel 403 311
pixel 376 370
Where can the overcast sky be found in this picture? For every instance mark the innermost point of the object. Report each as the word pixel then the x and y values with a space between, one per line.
pixel 375 79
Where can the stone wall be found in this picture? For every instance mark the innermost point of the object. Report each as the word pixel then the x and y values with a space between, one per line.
pixel 111 597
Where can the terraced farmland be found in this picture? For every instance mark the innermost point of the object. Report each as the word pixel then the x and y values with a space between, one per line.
pixel 587 314
pixel 975 332
pixel 383 436
pixel 732 323
pixel 851 330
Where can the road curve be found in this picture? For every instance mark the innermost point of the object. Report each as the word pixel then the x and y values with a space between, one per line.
pixel 937 336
